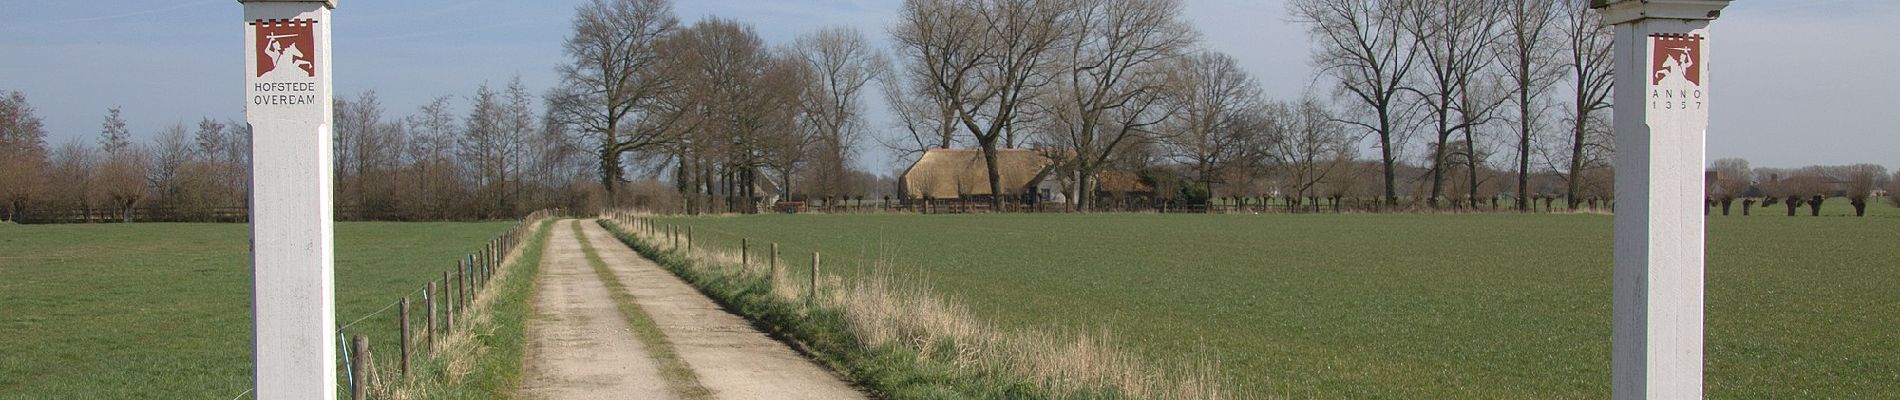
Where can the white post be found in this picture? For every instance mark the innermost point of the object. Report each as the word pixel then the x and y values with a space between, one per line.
pixel 1662 100
pixel 287 101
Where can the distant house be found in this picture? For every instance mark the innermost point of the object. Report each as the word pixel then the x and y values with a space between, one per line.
pixel 943 174
pixel 1123 189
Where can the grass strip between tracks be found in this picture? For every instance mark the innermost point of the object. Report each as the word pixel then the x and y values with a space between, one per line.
pixel 680 377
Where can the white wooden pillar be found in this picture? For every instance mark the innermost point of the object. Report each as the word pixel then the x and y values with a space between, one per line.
pixel 287 101
pixel 1662 98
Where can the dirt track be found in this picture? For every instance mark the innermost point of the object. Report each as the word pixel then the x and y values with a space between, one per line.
pixel 579 345
pixel 576 354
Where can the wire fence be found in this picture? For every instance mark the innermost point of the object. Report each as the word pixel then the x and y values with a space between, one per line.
pixel 451 298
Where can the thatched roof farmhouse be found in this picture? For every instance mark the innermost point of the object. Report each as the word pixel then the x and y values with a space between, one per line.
pixel 962 173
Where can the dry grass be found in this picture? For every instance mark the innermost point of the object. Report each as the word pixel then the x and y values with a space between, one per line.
pixel 453 357
pixel 883 309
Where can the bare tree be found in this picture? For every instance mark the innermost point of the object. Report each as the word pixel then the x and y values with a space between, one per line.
pixel 1312 148
pixel 1220 119
pixel 921 111
pixel 483 151
pixel 1893 189
pixel 987 58
pixel 521 129
pixel 1733 178
pixel 1529 57
pixel 23 158
pixel 75 165
pixel 1455 40
pixel 208 176
pixel 1113 86
pixel 735 101
pixel 1794 187
pixel 360 139
pixel 1363 45
pixel 431 146
pixel 1591 67
pixel 842 63
pixel 344 145
pixel 1861 180
pixel 612 74
pixel 217 147
pixel 122 179
pixel 122 176
pixel 114 136
pixel 555 161
pixel 790 150
pixel 170 160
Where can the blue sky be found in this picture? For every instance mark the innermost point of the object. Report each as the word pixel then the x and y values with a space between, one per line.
pixel 1799 82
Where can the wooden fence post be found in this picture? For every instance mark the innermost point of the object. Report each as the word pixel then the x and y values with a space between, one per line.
pixel 689 238
pixel 771 276
pixel 474 275
pixel 745 256
pixel 813 298
pixel 402 313
pixel 428 306
pixel 448 303
pixel 461 285
pixel 359 362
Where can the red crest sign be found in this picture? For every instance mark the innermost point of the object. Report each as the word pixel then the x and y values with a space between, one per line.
pixel 1677 58
pixel 286 48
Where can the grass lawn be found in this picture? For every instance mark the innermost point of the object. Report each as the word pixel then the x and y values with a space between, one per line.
pixel 163 310
pixel 1391 306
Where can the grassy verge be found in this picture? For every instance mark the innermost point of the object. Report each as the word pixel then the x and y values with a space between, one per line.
pixel 679 377
pixel 1390 306
pixel 902 343
pixel 482 358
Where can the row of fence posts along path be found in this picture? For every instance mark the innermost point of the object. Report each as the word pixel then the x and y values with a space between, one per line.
pixel 452 296
pixel 675 236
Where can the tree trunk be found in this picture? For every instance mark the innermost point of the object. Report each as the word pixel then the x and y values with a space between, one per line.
pixel 1471 166
pixel 1576 153
pixel 1726 203
pixel 610 173
pixel 1385 156
pixel 1815 205
pixel 1747 205
pixel 1860 207
pixel 1084 190
pixel 1438 171
pixel 1524 143
pixel 996 183
pixel 1794 203
pixel 708 185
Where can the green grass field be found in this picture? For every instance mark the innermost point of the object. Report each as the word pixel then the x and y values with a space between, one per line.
pixel 163 310
pixel 1391 306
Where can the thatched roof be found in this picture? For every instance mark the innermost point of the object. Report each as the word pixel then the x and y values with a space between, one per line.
pixel 1121 182
pixel 954 173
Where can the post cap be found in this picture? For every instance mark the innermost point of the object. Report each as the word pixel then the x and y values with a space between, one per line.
pixel 331 4
pixel 1623 11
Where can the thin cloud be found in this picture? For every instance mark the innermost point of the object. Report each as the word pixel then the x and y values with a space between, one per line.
pixel 413 35
pixel 137 13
